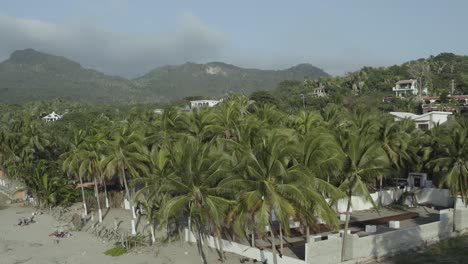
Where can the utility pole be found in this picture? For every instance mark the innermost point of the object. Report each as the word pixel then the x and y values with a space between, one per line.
pixel 303 101
pixel 453 81
pixel 453 86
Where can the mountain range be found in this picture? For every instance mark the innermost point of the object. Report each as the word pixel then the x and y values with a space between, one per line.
pixel 30 75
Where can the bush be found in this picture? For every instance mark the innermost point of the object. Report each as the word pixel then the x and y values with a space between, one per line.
pixel 116 251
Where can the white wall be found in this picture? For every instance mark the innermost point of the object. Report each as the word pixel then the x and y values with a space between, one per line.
pixel 388 243
pixel 244 250
pixel 437 197
pixel 439 117
pixel 358 203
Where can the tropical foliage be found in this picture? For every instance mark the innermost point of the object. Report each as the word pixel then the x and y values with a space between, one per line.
pixel 241 168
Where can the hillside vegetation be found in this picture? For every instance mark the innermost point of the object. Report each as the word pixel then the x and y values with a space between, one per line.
pixel 29 75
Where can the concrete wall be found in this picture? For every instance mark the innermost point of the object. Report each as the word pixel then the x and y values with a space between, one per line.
pixel 437 197
pixel 461 219
pixel 383 244
pixel 358 203
pixel 243 250
pixel 325 251
pixel 389 243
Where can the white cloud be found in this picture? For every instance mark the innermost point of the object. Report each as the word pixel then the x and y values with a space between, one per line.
pixel 111 52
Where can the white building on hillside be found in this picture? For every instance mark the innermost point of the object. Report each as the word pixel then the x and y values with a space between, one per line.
pixel 425 121
pixel 407 87
pixel 202 103
pixel 52 117
pixel 320 91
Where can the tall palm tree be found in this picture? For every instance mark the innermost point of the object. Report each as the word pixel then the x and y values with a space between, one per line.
pixel 452 161
pixel 160 168
pixel 127 154
pixel 49 190
pixel 71 161
pixel 306 121
pixel 395 142
pixel 90 165
pixel 229 114
pixel 200 124
pixel 193 189
pixel 363 159
pixel 270 182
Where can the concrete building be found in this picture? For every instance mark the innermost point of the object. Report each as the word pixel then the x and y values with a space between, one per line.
pixel 407 87
pixel 202 103
pixel 320 92
pixel 425 121
pixel 52 117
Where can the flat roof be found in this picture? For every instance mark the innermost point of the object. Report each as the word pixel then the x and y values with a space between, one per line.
pixel 412 116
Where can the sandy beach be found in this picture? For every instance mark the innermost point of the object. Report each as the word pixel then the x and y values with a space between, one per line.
pixel 32 244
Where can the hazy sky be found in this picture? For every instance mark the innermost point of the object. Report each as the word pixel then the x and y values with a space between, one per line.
pixel 130 38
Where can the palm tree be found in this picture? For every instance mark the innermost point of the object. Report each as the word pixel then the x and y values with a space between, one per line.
pixel 193 189
pixel 90 165
pixel 200 124
pixel 126 153
pixel 49 190
pixel 160 169
pixel 270 182
pixel 452 161
pixel 363 159
pixel 229 114
pixel 72 160
pixel 395 142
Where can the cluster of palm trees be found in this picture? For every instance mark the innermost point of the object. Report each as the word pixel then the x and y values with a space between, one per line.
pixel 247 168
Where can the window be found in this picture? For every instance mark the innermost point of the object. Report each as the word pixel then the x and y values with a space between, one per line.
pixel 423 126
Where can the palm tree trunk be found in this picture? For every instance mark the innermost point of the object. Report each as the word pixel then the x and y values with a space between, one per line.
pixel 127 192
pixel 380 192
pixel 345 234
pixel 455 213
pixel 83 196
pixel 105 191
pixel 153 237
pixel 273 245
pixel 281 239
pixel 200 244
pixel 96 191
pixel 253 236
pixel 221 249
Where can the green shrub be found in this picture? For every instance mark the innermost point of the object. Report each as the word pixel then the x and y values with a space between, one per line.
pixel 116 251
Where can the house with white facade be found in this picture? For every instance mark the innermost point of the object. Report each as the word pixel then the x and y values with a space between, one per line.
pixel 320 91
pixel 425 121
pixel 407 87
pixel 203 103
pixel 52 117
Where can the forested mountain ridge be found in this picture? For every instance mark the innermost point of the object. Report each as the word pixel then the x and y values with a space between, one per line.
pixel 217 78
pixel 29 75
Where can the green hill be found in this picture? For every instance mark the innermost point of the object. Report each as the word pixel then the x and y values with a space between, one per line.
pixel 436 73
pixel 217 78
pixel 29 75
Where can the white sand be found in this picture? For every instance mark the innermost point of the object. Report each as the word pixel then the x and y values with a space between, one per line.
pixel 32 244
